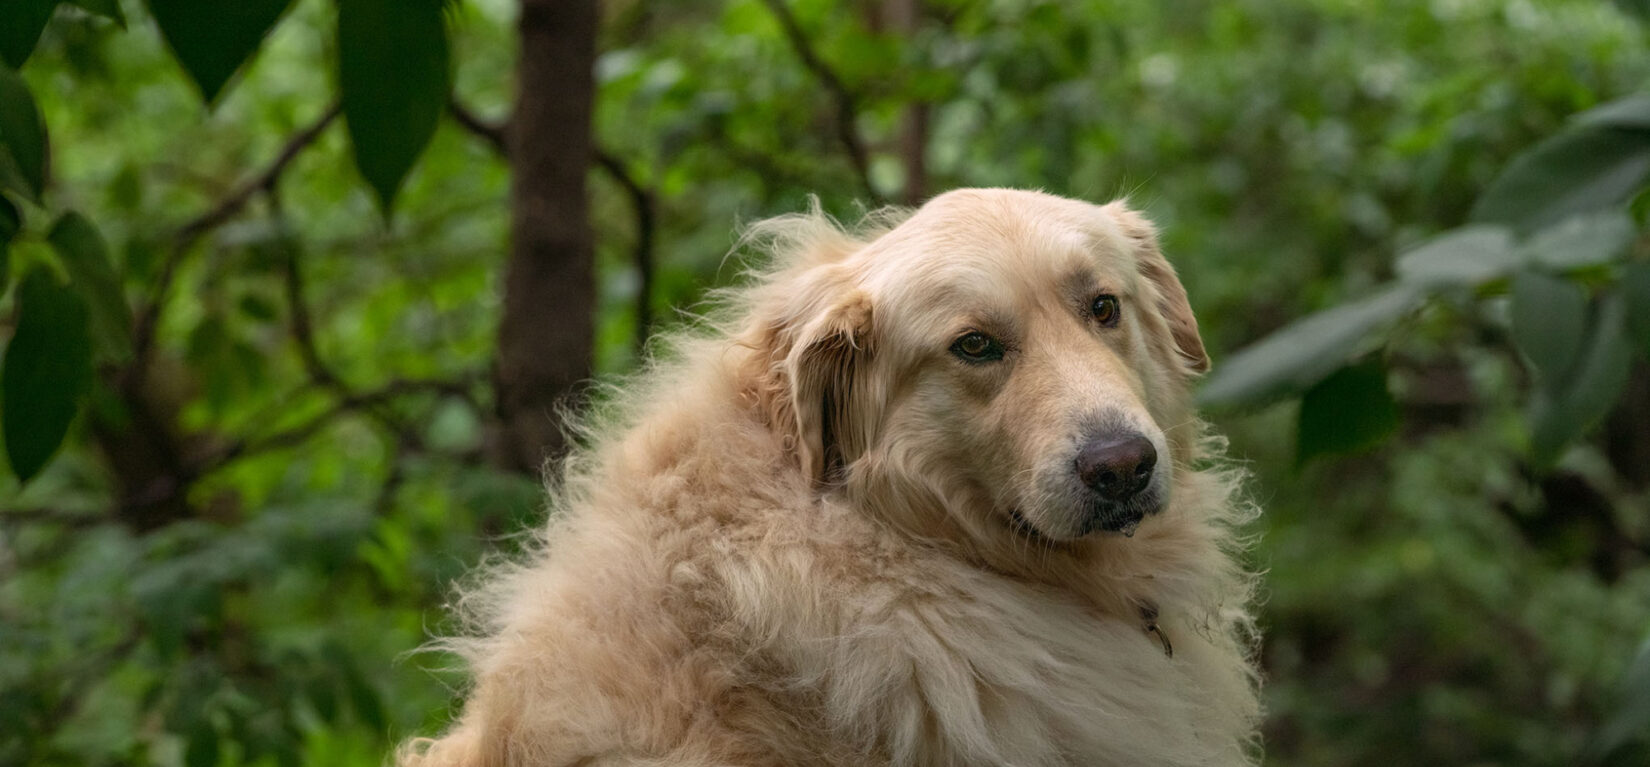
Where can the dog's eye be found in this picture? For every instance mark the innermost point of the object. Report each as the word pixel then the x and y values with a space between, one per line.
pixel 1106 310
pixel 978 347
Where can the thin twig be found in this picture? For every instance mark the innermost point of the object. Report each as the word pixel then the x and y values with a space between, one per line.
pixel 641 201
pixel 491 132
pixel 847 129
pixel 148 319
pixel 348 403
pixel 50 516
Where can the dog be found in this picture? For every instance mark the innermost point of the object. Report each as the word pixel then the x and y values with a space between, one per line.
pixel 928 491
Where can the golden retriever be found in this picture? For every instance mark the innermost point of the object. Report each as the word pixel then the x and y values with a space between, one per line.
pixel 926 493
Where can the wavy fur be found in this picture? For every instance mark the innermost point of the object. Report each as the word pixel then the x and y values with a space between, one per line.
pixel 764 553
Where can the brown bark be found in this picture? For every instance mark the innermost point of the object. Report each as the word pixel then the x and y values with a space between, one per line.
pixel 904 16
pixel 547 331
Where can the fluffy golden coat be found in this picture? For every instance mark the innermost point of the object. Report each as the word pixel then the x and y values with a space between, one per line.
pixel 812 534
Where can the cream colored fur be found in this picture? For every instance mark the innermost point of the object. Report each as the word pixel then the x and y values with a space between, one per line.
pixel 789 541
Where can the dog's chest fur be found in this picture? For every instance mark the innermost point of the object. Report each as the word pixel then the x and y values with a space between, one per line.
pixel 893 653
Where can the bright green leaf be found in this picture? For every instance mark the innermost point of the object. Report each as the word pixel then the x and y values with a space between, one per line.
pixel 21 22
pixel 1635 290
pixel 1549 317
pixel 108 9
pixel 86 257
pixel 47 367
pixel 1347 412
pixel 393 70
pixel 22 133
pixel 1577 171
pixel 1469 256
pixel 213 38
pixel 1303 353
pixel 1581 241
pixel 1560 415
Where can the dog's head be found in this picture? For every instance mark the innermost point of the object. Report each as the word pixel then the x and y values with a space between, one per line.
pixel 1009 362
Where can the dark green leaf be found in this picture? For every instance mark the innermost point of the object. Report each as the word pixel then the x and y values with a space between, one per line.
pixel 21 22
pixel 1639 8
pixel 1303 353
pixel 393 71
pixel 1635 290
pixel 1469 256
pixel 1549 317
pixel 1349 411
pixel 1630 112
pixel 213 38
pixel 1561 414
pixel 202 750
pixel 87 259
pixel 22 133
pixel 1577 171
pixel 1580 241
pixel 108 9
pixel 47 367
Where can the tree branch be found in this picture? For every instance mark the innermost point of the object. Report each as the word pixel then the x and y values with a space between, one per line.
pixel 143 329
pixel 351 402
pixel 492 133
pixel 847 129
pixel 641 201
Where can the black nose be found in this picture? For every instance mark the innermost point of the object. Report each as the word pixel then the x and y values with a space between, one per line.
pixel 1117 467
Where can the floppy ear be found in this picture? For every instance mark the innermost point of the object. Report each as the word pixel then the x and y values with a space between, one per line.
pixel 823 366
pixel 1172 304
pixel 812 349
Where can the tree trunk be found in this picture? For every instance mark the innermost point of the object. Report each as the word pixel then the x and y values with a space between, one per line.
pixel 547 331
pixel 904 17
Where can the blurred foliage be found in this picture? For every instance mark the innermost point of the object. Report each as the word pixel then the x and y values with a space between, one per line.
pixel 1472 587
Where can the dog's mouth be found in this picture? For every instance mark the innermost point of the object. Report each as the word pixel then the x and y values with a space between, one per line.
pixel 1098 517
pixel 1023 526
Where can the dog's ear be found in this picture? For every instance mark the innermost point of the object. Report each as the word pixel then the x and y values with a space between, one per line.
pixel 1172 304
pixel 812 350
pixel 823 366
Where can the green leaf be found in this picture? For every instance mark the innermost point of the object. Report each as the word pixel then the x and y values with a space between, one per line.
pixel 1549 317
pixel 22 133
pixel 86 257
pixel 21 22
pixel 1469 256
pixel 1574 172
pixel 108 9
pixel 1630 112
pixel 214 38
pixel 1580 241
pixel 1559 416
pixel 393 71
pixel 202 750
pixel 1302 354
pixel 1347 412
pixel 1638 8
pixel 47 367
pixel 1635 290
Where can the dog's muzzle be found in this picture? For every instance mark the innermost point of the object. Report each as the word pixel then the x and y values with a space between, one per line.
pixel 1117 469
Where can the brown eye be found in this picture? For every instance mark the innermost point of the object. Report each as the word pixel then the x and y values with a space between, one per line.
pixel 1106 310
pixel 977 347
